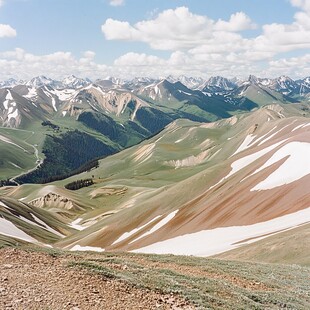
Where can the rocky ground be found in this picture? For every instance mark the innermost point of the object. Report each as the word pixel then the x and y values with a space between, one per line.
pixel 46 278
pixel 34 280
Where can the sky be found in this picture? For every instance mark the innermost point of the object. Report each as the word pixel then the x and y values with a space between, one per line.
pixel 135 38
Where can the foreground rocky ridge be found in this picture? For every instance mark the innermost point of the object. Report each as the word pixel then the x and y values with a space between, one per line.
pixel 52 284
pixel 62 280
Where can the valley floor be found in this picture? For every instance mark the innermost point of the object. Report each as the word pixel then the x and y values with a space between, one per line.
pixel 35 278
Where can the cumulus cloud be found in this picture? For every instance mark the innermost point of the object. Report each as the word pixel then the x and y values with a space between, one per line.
pixel 7 31
pixel 174 29
pixel 135 59
pixel 118 30
pixel 289 66
pixel 302 4
pixel 116 2
pixel 19 63
pixel 182 30
pixel 199 46
pixel 237 22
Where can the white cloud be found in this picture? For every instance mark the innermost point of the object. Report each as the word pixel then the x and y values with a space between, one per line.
pixel 7 31
pixel 237 22
pixel 199 46
pixel 289 66
pixel 135 59
pixel 117 30
pixel 1 2
pixel 19 63
pixel 181 30
pixel 89 55
pixel 116 2
pixel 175 29
pixel 302 4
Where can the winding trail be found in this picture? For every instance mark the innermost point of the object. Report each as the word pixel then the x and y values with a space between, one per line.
pixel 39 160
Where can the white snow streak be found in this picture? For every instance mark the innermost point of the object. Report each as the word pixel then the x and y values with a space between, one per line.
pixel 296 166
pixel 132 232
pixel 86 248
pixel 50 229
pixel 218 240
pixel 9 229
pixel 247 160
pixel 160 224
pixel 75 224
pixel 245 144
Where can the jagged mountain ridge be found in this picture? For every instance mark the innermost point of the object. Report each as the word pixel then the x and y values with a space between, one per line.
pixel 121 114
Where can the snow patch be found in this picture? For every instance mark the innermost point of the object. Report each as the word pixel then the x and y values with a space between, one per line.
pixel 86 248
pixel 32 93
pixel 132 232
pixel 271 136
pixel 245 144
pixel 247 160
pixel 75 224
pixel 9 229
pixel 13 115
pixel 9 96
pixel 295 167
pixel 160 224
pixel 219 240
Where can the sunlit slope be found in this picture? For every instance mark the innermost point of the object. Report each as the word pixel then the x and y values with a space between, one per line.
pixel 195 188
pixel 21 223
pixel 197 177
pixel 289 247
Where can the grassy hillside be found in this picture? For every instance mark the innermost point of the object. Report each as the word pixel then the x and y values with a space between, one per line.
pixel 289 247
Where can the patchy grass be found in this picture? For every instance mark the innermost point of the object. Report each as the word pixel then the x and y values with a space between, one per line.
pixel 207 283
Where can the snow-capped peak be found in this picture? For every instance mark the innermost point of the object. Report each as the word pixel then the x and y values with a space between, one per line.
pixel 72 81
pixel 42 80
pixel 10 83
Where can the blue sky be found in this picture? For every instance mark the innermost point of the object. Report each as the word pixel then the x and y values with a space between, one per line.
pixel 99 38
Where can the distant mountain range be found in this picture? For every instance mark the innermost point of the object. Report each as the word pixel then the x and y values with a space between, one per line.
pixel 215 84
pixel 210 99
pixel 118 113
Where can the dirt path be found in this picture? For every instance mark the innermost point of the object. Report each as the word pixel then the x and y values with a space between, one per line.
pixel 32 280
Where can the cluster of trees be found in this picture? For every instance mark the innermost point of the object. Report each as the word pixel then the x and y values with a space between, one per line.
pixel 79 184
pixel 105 125
pixel 7 182
pixel 126 134
pixel 70 153
pixel 153 120
pixel 51 125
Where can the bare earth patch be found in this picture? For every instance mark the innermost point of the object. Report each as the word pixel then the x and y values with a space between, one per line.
pixel 33 280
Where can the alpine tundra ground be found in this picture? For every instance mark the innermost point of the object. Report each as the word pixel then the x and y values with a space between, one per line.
pixel 32 278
